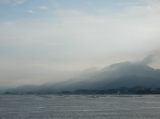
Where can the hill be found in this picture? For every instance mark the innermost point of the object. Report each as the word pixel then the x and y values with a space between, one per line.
pixel 115 76
pixel 118 75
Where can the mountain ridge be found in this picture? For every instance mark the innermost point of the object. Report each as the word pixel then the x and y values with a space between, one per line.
pixel 125 74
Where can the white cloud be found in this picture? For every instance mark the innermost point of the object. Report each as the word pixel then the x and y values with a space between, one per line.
pixel 43 7
pixel 17 2
pixel 55 3
pixel 31 11
pixel 13 2
pixel 68 12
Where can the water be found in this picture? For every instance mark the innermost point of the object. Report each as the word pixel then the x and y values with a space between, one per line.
pixel 79 107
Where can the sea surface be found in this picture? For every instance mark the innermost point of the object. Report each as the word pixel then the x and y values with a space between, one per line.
pixel 79 107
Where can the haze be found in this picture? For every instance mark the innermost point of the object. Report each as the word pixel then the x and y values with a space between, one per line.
pixel 54 40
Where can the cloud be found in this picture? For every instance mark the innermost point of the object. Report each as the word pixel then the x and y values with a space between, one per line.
pixel 131 3
pixel 151 58
pixel 43 7
pixel 68 12
pixel 31 11
pixel 17 2
pixel 55 3
pixel 13 2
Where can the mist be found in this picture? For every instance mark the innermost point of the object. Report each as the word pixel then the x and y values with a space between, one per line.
pixel 56 41
pixel 150 58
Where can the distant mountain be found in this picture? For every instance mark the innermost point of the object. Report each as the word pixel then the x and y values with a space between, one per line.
pixel 117 75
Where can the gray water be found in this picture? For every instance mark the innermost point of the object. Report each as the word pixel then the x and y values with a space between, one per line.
pixel 79 107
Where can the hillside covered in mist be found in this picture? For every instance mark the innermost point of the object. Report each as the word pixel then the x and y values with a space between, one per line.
pixel 115 76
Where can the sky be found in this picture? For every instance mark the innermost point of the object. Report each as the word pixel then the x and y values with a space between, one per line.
pixel 54 40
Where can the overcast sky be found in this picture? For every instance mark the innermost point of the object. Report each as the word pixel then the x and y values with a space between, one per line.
pixel 51 40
